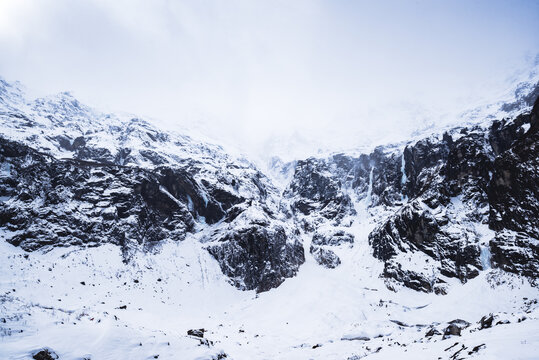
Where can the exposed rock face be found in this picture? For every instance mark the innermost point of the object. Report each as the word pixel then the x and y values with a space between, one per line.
pixel 315 190
pixel 51 202
pixel 516 253
pixel 47 202
pixel 474 179
pixel 446 206
pixel 332 237
pixel 460 194
pixel 89 178
pixel 514 201
pixel 325 257
pixel 258 256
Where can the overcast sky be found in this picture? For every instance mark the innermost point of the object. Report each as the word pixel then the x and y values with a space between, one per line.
pixel 250 72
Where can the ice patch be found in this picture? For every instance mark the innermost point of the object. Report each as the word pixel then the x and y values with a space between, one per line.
pixel 164 191
pixel 485 257
pixel 404 178
pixel 190 204
pixel 403 170
pixel 369 191
pixel 5 170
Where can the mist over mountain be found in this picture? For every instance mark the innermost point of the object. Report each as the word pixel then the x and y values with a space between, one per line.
pixel 269 180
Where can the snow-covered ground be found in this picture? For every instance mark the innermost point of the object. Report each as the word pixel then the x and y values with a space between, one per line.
pixel 70 300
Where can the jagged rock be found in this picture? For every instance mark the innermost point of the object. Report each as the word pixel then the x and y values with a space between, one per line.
pixel 45 354
pixel 84 203
pixel 476 349
pixel 455 327
pixel 323 239
pixel 486 321
pixel 314 190
pixel 516 253
pixel 332 237
pixel 387 188
pixel 258 256
pixel 414 228
pixel 196 332
pixel 514 189
pixel 419 159
pixel 514 203
pixel 325 257
pixel 92 203
pixel 411 279
pixel 353 337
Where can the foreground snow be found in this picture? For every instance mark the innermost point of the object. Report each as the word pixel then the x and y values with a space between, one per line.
pixel 71 301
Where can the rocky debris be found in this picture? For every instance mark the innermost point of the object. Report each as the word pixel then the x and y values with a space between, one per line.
pixel 476 349
pixel 45 354
pixel 323 241
pixel 456 354
pixel 452 329
pixel 196 332
pixel 432 331
pixel 332 237
pixel 455 327
pixel 486 321
pixel 219 356
pixel 352 337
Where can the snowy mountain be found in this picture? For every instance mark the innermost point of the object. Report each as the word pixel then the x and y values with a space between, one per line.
pixel 123 240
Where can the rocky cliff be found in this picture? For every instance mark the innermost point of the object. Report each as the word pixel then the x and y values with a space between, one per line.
pixel 444 207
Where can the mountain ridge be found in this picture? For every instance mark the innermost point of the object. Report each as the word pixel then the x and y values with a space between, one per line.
pixel 426 216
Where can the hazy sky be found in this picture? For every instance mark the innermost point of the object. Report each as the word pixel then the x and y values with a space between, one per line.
pixel 324 72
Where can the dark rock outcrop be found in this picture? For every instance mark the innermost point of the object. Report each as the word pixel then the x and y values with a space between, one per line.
pixel 196 332
pixel 258 256
pixel 473 179
pixel 45 354
pixel 333 237
pixel 455 328
pixel 315 190
pixel 50 202
pixel 486 321
pixel 62 203
pixel 325 257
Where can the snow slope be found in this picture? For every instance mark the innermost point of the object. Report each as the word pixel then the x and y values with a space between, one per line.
pixel 181 288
